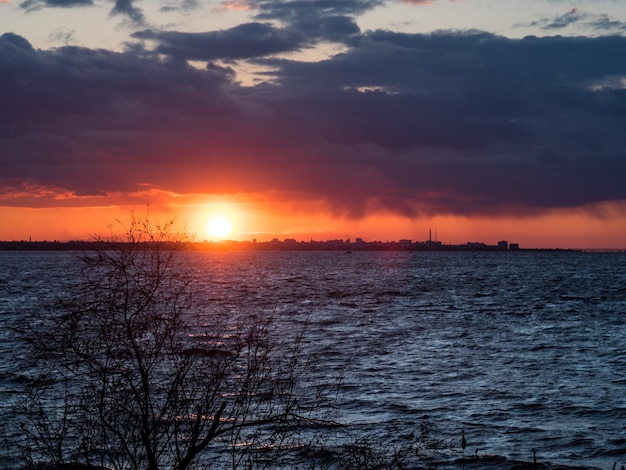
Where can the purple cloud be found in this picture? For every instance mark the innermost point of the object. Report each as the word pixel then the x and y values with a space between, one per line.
pixel 448 122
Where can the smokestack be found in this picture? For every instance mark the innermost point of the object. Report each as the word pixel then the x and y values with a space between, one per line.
pixel 430 235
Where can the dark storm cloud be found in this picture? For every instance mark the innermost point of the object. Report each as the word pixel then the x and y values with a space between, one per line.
pixel 448 122
pixel 249 40
pixel 489 120
pixel 90 119
pixel 331 20
pixel 241 42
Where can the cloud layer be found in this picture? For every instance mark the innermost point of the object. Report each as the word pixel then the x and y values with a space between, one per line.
pixel 449 122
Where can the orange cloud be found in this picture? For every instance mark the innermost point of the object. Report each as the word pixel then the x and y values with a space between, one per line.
pixel 235 5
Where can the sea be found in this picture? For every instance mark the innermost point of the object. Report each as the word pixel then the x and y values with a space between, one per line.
pixel 525 352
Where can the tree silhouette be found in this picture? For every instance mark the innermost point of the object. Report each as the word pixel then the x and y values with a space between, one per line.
pixel 132 374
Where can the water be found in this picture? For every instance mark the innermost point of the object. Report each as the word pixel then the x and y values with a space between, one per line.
pixel 521 350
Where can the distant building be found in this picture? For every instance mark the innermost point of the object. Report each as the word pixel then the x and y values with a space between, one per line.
pixel 476 246
pixel 405 244
pixel 514 247
pixel 503 245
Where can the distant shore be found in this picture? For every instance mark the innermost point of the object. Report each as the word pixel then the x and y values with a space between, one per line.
pixel 291 245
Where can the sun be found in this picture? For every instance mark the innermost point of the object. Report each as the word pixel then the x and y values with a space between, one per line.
pixel 218 227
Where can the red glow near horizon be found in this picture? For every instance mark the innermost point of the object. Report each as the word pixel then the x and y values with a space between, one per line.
pixel 558 229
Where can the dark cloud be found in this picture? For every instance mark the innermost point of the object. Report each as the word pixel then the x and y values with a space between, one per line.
pixel 182 5
pixel 241 42
pixel 32 5
pixel 128 9
pixel 447 122
pixel 14 43
pixel 562 21
pixel 249 40
pixel 75 111
pixel 124 8
pixel 595 22
pixel 604 24
pixel 331 20
pixel 292 11
pixel 63 36
pixel 334 28
pixel 559 21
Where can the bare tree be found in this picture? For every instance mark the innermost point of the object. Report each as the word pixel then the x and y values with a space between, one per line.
pixel 131 374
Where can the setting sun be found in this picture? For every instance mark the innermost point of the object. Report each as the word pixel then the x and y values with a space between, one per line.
pixel 218 227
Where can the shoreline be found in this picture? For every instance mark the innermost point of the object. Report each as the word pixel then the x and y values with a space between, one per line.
pixel 292 245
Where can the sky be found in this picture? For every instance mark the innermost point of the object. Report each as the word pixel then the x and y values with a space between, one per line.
pixel 481 120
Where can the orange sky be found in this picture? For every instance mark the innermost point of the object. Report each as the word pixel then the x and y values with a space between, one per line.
pixel 603 228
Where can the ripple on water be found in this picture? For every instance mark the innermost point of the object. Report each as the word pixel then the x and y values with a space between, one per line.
pixel 521 350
